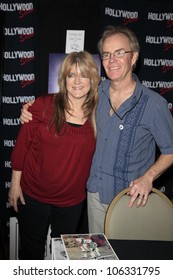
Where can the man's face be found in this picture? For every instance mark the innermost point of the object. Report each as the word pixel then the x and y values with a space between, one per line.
pixel 118 68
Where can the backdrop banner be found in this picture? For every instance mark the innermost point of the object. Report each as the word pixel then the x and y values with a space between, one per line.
pixel 152 21
pixel 19 82
pixel 32 30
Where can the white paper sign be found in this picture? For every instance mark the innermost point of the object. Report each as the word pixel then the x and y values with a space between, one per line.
pixel 74 41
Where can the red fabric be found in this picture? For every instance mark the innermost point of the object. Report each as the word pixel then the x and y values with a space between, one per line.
pixel 54 167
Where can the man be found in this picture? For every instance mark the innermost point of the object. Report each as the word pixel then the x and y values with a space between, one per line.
pixel 131 120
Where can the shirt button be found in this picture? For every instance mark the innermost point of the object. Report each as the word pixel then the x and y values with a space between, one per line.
pixel 121 126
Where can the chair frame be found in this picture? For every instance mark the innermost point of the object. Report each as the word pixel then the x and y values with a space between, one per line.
pixel 119 195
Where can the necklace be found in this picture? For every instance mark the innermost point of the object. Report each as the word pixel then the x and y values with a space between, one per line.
pixel 121 118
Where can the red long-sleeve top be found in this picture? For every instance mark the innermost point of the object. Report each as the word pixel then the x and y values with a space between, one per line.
pixel 55 167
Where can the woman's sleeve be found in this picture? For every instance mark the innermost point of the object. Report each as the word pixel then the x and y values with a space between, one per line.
pixel 25 135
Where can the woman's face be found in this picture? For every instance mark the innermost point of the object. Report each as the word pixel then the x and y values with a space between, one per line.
pixel 77 84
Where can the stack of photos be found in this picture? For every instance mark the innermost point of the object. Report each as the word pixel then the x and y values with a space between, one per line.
pixel 82 247
pixel 58 250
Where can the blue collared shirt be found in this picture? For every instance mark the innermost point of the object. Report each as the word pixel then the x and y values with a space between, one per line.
pixel 126 141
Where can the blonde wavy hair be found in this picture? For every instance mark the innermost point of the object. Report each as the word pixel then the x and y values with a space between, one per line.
pixel 88 67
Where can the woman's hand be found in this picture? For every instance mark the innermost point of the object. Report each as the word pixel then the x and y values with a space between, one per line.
pixel 15 194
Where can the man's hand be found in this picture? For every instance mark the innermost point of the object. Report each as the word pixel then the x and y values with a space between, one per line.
pixel 139 191
pixel 26 116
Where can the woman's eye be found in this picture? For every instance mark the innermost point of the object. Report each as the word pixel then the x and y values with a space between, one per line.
pixel 71 75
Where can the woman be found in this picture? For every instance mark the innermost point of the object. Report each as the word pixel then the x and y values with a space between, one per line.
pixel 52 156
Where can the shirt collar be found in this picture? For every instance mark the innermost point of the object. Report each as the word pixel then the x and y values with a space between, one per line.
pixel 131 102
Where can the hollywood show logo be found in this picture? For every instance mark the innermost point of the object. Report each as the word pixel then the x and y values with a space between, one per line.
pixel 17 99
pixel 164 86
pixel 166 41
pixel 23 56
pixel 24 79
pixel 165 64
pixel 167 17
pixel 23 9
pixel 128 16
pixel 24 33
